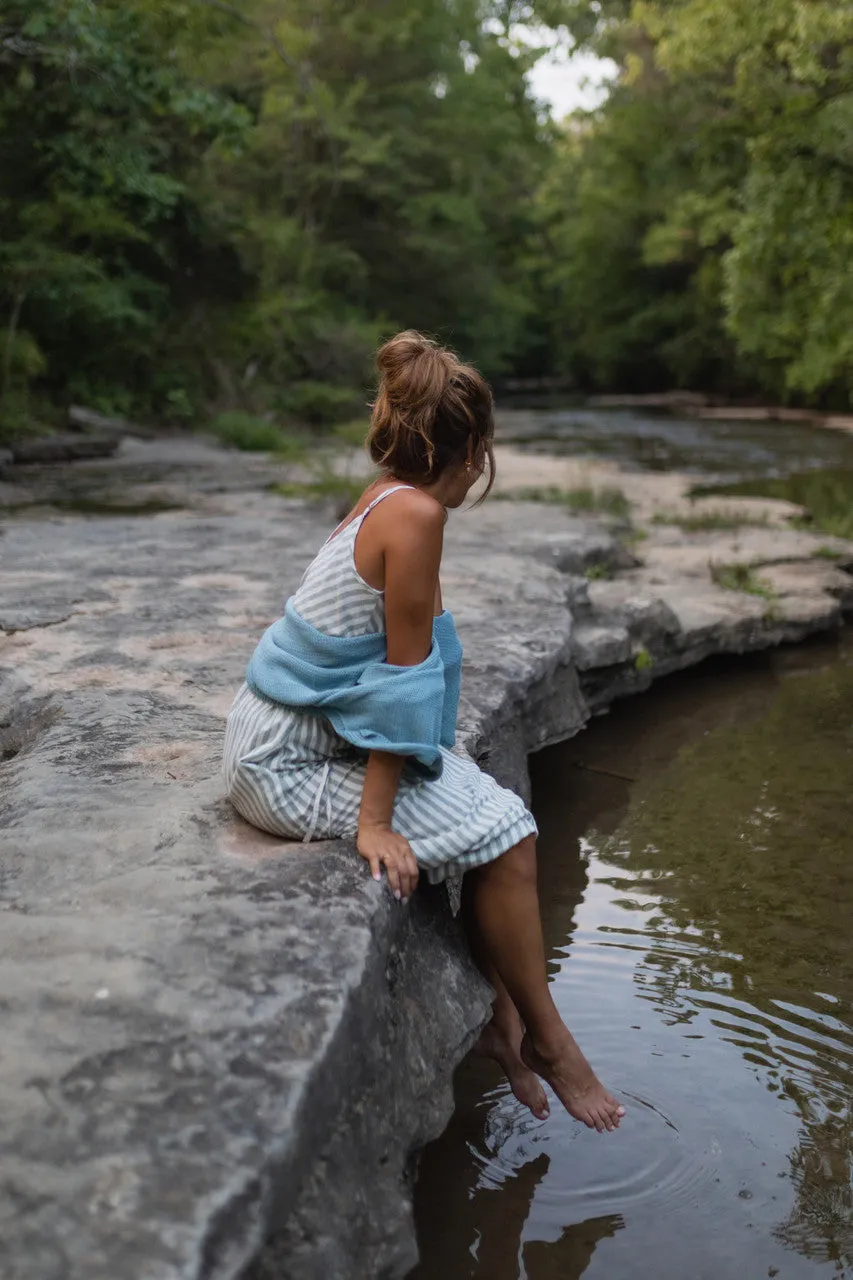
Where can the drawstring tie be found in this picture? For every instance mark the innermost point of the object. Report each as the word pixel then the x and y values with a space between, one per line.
pixel 318 797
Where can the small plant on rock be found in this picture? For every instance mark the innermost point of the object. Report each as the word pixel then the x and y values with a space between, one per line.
pixel 742 577
pixel 598 572
pixel 608 501
pixel 643 660
pixel 710 521
pixel 256 435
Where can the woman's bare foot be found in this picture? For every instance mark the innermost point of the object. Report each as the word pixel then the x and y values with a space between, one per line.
pixel 574 1082
pixel 503 1046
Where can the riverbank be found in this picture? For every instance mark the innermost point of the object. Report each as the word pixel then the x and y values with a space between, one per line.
pixel 212 1037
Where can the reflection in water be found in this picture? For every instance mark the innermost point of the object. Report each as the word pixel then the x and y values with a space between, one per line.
pixel 572 1253
pixel 698 925
pixel 456 1245
pixel 746 892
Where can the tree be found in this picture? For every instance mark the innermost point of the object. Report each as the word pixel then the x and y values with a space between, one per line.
pixel 387 180
pixel 96 126
pixel 210 201
pixel 724 158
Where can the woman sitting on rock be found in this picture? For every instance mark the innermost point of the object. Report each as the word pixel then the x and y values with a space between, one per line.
pixel 345 725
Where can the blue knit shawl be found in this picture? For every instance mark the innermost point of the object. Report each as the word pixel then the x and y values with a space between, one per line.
pixel 369 702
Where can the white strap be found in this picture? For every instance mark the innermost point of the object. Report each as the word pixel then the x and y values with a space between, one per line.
pixel 386 493
pixel 345 524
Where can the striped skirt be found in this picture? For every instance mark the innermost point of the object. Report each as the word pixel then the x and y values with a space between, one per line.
pixel 288 772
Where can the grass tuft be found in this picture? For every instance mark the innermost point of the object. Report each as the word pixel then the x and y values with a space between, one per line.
pixel 742 577
pixel 643 660
pixel 708 521
pixel 257 435
pixel 327 487
pixel 343 491
pixel 608 500
pixel 828 553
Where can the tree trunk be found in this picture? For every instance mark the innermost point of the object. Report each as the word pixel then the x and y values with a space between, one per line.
pixel 20 298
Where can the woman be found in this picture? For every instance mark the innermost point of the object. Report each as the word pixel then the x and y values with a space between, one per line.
pixel 346 722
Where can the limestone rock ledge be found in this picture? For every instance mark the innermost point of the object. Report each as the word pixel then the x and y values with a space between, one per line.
pixel 212 1039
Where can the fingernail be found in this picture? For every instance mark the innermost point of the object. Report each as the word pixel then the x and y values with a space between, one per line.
pixel 377 875
pixel 397 894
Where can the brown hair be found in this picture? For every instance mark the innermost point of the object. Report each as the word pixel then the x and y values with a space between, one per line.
pixel 431 411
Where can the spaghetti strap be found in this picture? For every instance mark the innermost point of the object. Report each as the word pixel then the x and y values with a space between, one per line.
pixel 356 520
pixel 386 493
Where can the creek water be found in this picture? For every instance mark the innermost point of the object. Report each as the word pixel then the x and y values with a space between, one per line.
pixel 696 876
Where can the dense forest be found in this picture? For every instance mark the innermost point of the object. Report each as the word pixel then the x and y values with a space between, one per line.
pixel 207 205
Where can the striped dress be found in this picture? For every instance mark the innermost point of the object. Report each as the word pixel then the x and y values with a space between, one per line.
pixel 289 773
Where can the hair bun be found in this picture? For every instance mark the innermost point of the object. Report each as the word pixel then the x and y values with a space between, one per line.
pixel 431 411
pixel 414 369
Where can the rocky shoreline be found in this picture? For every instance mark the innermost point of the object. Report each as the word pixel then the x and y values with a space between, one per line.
pixel 213 1039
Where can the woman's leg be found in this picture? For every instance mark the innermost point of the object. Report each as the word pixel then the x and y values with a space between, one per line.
pixel 506 908
pixel 501 1038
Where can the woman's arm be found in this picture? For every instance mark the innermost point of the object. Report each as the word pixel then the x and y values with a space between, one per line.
pixel 412 555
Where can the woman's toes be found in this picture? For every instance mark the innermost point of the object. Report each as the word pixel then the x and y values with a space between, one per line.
pixel 525 1084
pixel 527 1088
pixel 542 1109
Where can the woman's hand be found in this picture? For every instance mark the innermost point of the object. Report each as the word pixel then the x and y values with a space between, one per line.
pixel 379 845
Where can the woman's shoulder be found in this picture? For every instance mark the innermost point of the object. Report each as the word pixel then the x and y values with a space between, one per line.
pixel 413 505
pixel 412 530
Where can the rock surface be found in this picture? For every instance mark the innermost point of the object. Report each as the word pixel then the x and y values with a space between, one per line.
pixel 212 1038
pixel 62 448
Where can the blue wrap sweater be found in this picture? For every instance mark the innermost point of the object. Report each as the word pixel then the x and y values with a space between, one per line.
pixel 369 702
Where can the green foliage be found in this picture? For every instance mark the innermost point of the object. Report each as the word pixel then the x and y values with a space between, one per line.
pixel 386 179
pixel 827 553
pixel 343 491
pixel 318 403
pixel 827 497
pixel 17 417
pixel 643 660
pixel 256 435
pixel 785 71
pixel 598 572
pixel 607 500
pixel 700 224
pixel 209 205
pixel 710 521
pixel 742 577
pixel 233 204
pixel 624 310
pixel 98 133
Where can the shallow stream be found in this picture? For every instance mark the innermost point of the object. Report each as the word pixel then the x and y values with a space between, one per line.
pixel 696 878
